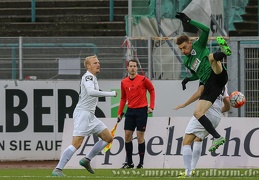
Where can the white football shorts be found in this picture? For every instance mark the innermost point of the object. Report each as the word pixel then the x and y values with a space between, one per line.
pixel 86 123
pixel 195 127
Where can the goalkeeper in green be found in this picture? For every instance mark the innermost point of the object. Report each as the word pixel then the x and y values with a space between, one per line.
pixel 207 68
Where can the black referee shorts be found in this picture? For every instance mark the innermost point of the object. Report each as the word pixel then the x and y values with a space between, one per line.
pixel 136 118
pixel 214 86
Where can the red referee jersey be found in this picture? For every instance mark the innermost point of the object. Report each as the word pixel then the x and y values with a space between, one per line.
pixel 134 91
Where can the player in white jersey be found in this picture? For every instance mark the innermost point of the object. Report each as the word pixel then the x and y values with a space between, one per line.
pixel 85 122
pixel 195 132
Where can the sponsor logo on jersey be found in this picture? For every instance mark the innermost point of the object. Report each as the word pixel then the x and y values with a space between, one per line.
pixel 193 52
pixel 196 64
pixel 89 78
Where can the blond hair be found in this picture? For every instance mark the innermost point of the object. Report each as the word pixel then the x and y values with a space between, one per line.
pixel 87 60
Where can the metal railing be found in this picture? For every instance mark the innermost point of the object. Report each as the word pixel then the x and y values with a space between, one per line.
pixel 26 56
pixel 40 57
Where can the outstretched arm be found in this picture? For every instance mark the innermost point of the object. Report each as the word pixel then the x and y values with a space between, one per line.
pixel 226 106
pixel 193 98
pixel 91 91
pixel 226 101
pixel 205 30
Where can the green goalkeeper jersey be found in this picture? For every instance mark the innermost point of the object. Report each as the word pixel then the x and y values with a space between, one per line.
pixel 197 61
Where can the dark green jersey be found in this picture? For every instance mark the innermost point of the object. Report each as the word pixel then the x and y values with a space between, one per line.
pixel 197 62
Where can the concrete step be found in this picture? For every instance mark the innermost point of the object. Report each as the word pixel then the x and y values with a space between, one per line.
pixel 63 10
pixel 252 2
pixel 56 26
pixel 252 32
pixel 249 17
pixel 249 26
pixel 59 11
pixel 63 18
pixel 246 25
pixel 61 3
pixel 251 9
pixel 62 33
pixel 78 3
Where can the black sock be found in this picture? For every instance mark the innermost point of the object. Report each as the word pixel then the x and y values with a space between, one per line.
pixel 205 122
pixel 129 149
pixel 141 152
pixel 218 56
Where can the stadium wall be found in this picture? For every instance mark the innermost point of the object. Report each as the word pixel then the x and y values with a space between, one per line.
pixel 33 114
pixel 164 142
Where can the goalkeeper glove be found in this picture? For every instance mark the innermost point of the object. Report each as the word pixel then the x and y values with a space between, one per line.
pixel 183 17
pixel 184 82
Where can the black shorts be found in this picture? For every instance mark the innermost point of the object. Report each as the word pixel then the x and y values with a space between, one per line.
pixel 214 86
pixel 136 118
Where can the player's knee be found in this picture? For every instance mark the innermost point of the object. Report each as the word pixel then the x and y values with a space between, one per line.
pixel 106 136
pixel 197 139
pixel 197 114
pixel 109 139
pixel 211 58
pixel 128 138
pixel 77 141
pixel 141 140
pixel 186 142
pixel 77 146
pixel 218 55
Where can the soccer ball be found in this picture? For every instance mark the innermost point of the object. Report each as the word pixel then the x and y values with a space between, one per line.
pixel 237 99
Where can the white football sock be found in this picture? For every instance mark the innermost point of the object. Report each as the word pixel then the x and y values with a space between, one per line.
pixel 187 159
pixel 100 145
pixel 66 156
pixel 197 146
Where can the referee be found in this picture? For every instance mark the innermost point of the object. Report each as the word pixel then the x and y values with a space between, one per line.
pixel 133 91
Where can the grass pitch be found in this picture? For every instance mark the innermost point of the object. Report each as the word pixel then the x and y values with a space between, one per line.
pixel 119 174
